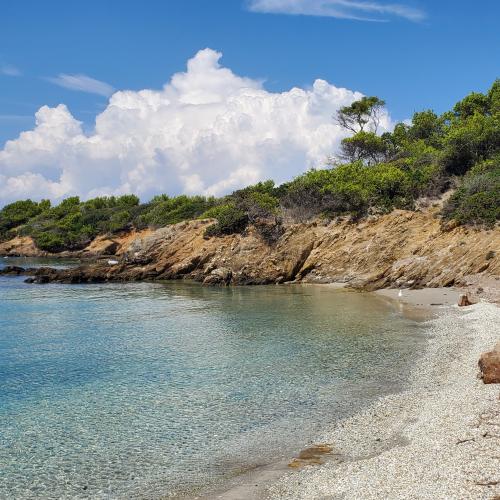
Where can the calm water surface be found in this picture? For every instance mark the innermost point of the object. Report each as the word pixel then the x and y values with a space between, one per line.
pixel 150 390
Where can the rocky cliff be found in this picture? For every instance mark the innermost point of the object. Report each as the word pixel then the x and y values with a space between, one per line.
pixel 403 248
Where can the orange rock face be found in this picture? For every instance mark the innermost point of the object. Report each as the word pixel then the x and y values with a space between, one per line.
pixel 21 245
pixel 405 249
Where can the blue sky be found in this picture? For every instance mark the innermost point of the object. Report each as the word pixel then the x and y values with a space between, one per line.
pixel 130 44
pixel 414 54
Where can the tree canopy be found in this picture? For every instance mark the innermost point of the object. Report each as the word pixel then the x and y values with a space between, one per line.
pixel 359 114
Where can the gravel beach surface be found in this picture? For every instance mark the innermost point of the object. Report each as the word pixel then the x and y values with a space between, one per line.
pixel 440 439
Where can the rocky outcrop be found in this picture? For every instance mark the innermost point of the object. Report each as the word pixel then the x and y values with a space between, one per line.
pixel 403 249
pixel 489 364
pixel 101 246
pixel 107 245
pixel 221 276
pixel 21 246
pixel 13 270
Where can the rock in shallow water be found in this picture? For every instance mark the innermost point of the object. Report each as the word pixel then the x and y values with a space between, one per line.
pixel 16 270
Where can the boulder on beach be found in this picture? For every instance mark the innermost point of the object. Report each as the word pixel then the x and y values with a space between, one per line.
pixel 489 364
pixel 464 301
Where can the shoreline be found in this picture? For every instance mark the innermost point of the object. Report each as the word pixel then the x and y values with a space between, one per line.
pixel 438 439
pixel 417 443
pixel 424 297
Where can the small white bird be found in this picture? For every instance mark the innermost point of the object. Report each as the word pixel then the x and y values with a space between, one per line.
pixel 112 262
pixel 400 293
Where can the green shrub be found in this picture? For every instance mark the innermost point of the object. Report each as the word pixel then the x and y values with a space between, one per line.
pixel 50 242
pixel 119 221
pixel 230 220
pixel 350 189
pixel 164 210
pixel 477 200
pixel 18 213
pixel 471 141
pixel 364 146
pixel 305 197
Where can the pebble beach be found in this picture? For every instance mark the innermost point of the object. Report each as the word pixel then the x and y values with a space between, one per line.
pixel 440 439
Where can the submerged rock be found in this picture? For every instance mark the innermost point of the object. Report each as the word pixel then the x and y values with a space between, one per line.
pixel 311 456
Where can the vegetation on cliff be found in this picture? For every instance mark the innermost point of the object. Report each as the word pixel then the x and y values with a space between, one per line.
pixel 372 174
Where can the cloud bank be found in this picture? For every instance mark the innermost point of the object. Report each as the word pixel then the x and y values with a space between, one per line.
pixel 208 131
pixel 358 10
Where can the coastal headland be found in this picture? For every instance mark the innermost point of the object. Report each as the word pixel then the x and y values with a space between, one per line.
pixel 402 249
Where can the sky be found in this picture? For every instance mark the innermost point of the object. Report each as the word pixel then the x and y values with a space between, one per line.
pixel 205 96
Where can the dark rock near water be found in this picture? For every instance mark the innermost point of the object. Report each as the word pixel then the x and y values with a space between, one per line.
pixel 221 276
pixel 14 270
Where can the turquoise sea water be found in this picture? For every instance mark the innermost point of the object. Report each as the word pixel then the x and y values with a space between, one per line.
pixel 149 390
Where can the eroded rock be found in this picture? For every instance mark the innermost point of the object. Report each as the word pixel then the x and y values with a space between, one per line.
pixel 406 249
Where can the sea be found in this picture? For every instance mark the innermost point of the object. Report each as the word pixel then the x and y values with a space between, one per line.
pixel 158 390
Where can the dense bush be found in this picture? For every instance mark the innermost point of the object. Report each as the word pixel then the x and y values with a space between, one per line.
pixel 351 188
pixel 470 141
pixel 477 200
pixel 364 146
pixel 73 224
pixel 257 205
pixel 163 210
pixel 230 219
pixel 18 213
pixel 304 197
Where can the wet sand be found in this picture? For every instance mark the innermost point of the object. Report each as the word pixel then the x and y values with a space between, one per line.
pixel 426 297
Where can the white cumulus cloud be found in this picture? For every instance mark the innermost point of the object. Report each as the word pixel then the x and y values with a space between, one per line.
pixel 359 10
pixel 82 83
pixel 208 131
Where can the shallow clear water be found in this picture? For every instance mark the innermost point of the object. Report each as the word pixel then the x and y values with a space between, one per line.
pixel 29 262
pixel 148 390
